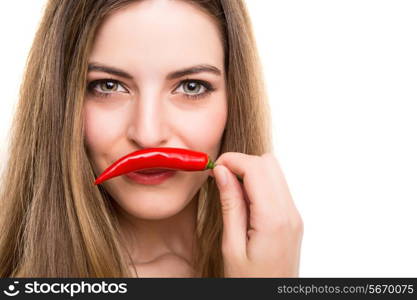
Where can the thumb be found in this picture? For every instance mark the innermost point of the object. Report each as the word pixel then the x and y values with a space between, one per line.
pixel 233 210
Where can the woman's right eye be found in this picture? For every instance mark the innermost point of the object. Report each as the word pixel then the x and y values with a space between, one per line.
pixel 105 87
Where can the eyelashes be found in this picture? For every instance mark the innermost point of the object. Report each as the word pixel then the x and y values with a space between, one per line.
pixel 201 84
pixel 92 87
pixel 95 86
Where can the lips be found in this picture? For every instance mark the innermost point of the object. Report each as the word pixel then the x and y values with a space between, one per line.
pixel 151 176
pixel 153 171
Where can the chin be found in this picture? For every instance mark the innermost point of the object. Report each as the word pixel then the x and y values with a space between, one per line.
pixel 155 212
pixel 149 203
pixel 151 207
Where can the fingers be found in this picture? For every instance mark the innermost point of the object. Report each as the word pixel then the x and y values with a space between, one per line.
pixel 234 212
pixel 259 216
pixel 256 179
pixel 265 185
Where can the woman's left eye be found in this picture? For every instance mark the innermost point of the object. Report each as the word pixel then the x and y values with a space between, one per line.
pixel 194 88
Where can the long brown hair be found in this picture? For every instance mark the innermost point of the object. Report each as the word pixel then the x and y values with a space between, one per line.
pixel 54 222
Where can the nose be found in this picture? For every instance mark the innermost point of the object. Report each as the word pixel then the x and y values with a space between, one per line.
pixel 148 125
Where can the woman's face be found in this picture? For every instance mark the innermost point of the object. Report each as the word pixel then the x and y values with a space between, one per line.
pixel 150 103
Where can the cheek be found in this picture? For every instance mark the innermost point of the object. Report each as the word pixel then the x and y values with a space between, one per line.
pixel 204 129
pixel 101 128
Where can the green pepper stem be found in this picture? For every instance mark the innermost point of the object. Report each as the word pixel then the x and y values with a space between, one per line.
pixel 211 164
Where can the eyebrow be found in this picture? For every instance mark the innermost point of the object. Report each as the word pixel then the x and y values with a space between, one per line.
pixel 107 69
pixel 173 75
pixel 194 70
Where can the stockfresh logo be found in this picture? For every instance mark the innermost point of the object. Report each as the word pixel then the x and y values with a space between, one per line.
pixel 11 289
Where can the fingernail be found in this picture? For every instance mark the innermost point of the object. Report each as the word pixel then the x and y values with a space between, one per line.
pixel 222 177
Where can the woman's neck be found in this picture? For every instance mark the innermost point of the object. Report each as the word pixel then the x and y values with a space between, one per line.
pixel 147 240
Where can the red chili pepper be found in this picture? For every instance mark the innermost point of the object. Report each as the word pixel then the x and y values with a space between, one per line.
pixel 166 158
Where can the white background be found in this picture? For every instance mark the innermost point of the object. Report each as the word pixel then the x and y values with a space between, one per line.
pixel 341 76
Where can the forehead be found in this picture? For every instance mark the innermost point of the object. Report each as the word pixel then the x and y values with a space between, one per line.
pixel 158 35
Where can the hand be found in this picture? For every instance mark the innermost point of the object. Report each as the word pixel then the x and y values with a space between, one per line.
pixel 262 229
